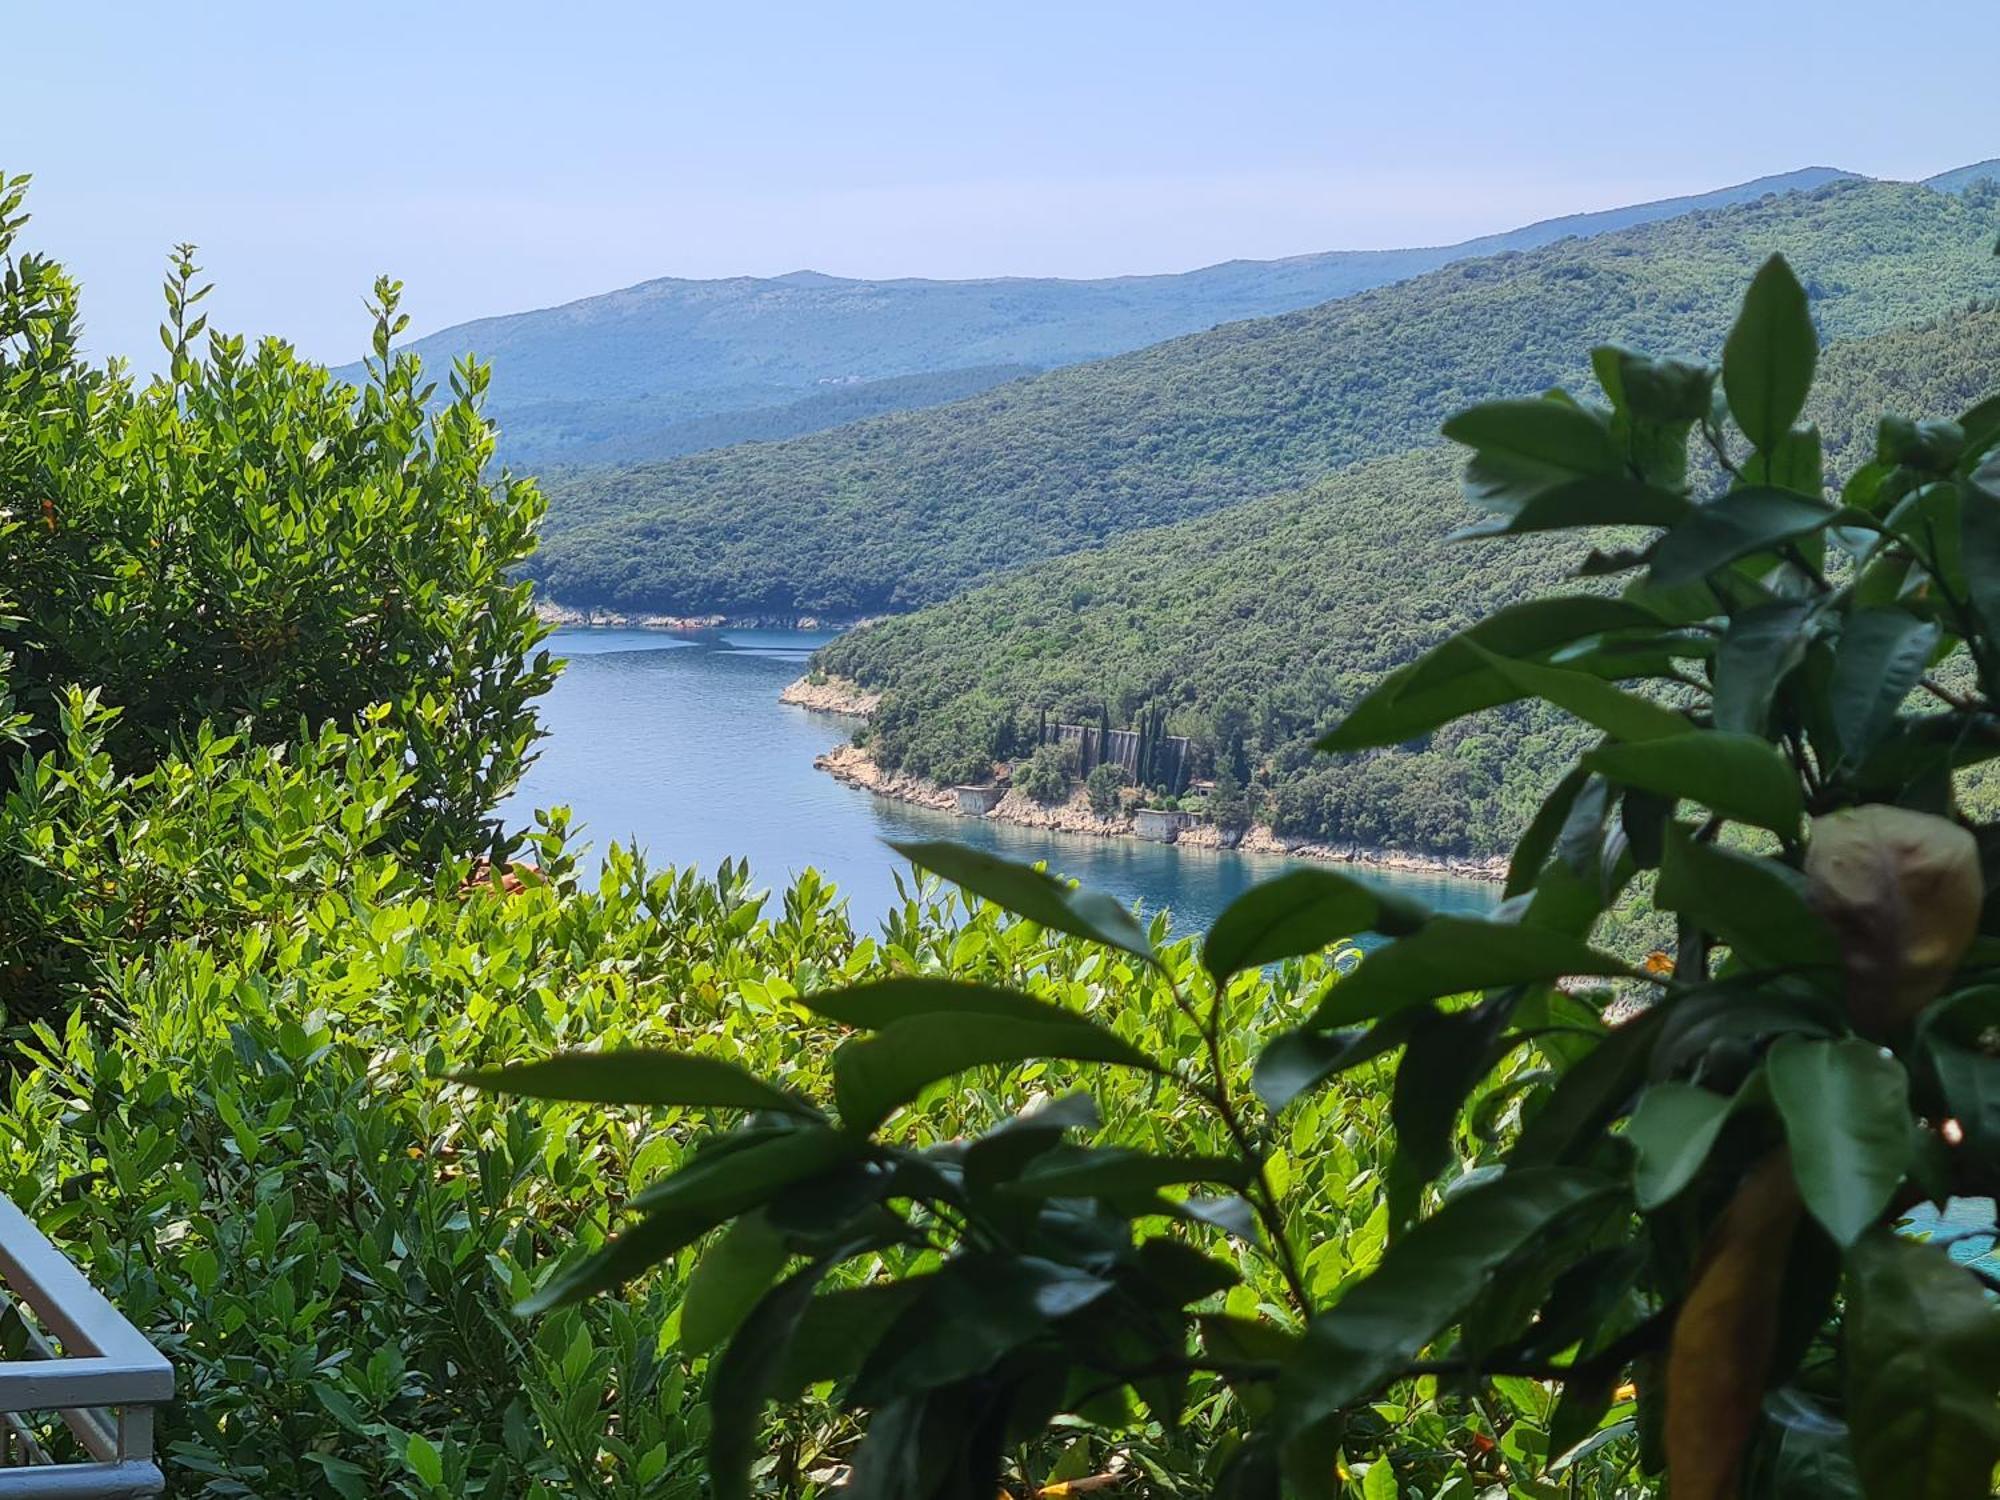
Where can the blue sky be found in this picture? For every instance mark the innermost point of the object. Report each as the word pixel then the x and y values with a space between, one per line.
pixel 498 156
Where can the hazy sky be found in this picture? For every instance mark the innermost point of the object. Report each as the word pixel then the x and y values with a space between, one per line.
pixel 499 156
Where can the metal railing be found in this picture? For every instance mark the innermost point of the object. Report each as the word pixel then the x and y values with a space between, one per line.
pixel 80 1360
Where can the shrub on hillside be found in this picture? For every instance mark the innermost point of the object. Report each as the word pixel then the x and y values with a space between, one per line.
pixel 1228 804
pixel 1103 787
pixel 247 541
pixel 240 561
pixel 1046 774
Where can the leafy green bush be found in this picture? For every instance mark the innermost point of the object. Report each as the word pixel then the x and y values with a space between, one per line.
pixel 1228 803
pixel 1690 1247
pixel 247 540
pixel 1102 786
pixel 1045 775
pixel 214 581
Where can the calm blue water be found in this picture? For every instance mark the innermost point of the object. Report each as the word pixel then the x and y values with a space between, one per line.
pixel 680 745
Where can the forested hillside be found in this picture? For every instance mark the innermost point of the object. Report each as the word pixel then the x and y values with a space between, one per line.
pixel 1270 619
pixel 915 507
pixel 574 432
pixel 662 367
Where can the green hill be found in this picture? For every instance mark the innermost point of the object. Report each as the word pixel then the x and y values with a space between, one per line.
pixel 645 371
pixel 548 433
pixel 907 509
pixel 1960 178
pixel 1269 619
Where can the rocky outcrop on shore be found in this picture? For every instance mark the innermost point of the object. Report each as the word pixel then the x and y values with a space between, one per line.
pixel 1262 840
pixel 1073 816
pixel 831 695
pixel 854 766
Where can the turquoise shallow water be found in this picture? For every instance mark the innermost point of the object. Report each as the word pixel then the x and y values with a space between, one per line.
pixel 680 744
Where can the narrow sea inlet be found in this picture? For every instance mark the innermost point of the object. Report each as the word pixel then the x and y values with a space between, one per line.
pixel 679 744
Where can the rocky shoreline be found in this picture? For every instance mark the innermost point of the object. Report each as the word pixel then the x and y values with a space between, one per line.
pixel 831 695
pixel 854 766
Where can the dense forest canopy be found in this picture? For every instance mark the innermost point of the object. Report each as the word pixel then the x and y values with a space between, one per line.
pixel 914 507
pixel 1260 624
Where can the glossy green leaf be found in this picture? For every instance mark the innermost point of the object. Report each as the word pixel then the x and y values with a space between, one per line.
pixel 1761 649
pixel 743 1379
pixel 1877 663
pixel 1797 463
pixel 1981 425
pixel 1301 912
pixel 1444 1060
pixel 1423 1283
pixel 871 1007
pixel 1736 775
pixel 1923 1372
pixel 1734 526
pixel 1456 956
pixel 1654 389
pixel 1452 680
pixel 1807 1457
pixel 839 1329
pixel 1299 1060
pixel 1671 1134
pixel 1031 893
pixel 979 1308
pixel 639 1076
pixel 1523 448
pixel 1591 1094
pixel 875 1075
pixel 1970 1080
pixel 1083 1172
pixel 1532 850
pixel 1606 500
pixel 1001 1154
pixel 1769 357
pixel 626 1255
pixel 1755 905
pixel 1846 1110
pixel 730 1278
pixel 743 1173
pixel 1622 715
pixel 1979 540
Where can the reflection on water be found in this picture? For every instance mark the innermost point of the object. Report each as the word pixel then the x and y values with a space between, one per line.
pixel 680 745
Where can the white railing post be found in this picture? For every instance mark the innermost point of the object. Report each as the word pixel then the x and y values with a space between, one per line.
pixel 100 1375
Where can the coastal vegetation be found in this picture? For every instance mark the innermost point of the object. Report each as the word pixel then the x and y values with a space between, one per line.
pixel 440 1168
pixel 912 508
pixel 1691 1250
pixel 1257 627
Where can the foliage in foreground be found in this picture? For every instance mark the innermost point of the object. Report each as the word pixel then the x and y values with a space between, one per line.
pixel 242 946
pixel 1690 1240
pixel 225 564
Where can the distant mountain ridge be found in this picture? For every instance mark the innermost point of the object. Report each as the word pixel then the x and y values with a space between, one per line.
pixel 913 507
pixel 669 365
